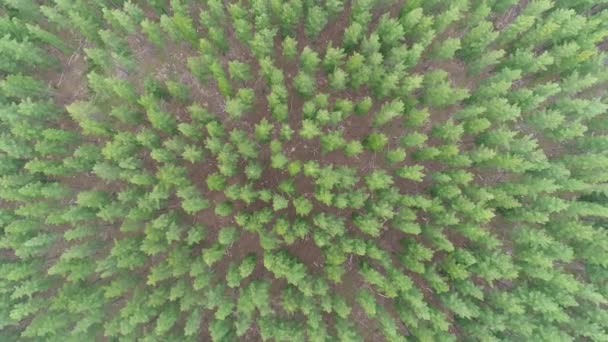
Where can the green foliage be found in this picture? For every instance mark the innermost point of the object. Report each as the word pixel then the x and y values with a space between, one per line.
pixel 262 43
pixel 302 205
pixel 363 106
pixel 446 49
pixel 290 47
pixel 338 80
pixel 304 84
pixel 253 171
pixel 216 182
pixel 286 132
pixel 378 180
pixel 309 60
pixel 353 148
pixel 199 157
pixel 438 91
pixel 240 71
pixel 315 21
pixel 192 326
pixel 263 130
pixel 87 116
pixel 332 141
pixel 388 112
pixel 279 202
pixel 395 156
pixel 477 39
pixel 334 57
pixel 375 141
pixel 240 104
pixel 309 129
pixel 159 119
pixel 21 86
pixel 21 54
pixel 224 208
pixel 178 90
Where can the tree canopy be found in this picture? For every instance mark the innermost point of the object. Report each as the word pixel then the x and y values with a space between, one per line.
pixel 303 170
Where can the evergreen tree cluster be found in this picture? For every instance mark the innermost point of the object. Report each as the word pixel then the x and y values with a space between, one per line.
pixel 303 170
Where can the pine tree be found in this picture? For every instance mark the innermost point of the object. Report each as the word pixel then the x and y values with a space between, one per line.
pixel 153 31
pixel 305 84
pixel 289 47
pixel 388 112
pixel 358 70
pixel 415 256
pixel 216 182
pixel 316 19
pixel 178 90
pixel 353 148
pixel 20 54
pixel 375 141
pixel 488 59
pixel 89 118
pixel 309 60
pixel 262 43
pixel 363 106
pixel 332 141
pixel 476 40
pixel 334 58
pixel 395 156
pixel 302 206
pixel 239 71
pixel 21 87
pixel 167 318
pixel 446 49
pixel 263 130
pixel 378 179
pixel 338 79
pixel 309 129
pixel 438 92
